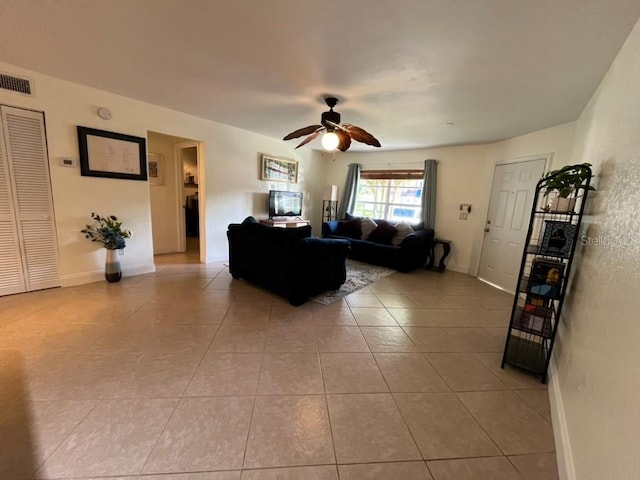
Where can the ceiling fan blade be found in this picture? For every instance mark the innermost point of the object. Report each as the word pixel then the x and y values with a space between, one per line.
pixel 361 135
pixel 310 137
pixel 302 131
pixel 345 140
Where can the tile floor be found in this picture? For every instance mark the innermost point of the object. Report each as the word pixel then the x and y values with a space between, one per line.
pixel 188 374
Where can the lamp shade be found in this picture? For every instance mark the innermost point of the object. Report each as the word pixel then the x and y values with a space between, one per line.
pixel 330 141
pixel 330 193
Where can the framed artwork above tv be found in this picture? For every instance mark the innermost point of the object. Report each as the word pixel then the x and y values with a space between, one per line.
pixel 278 169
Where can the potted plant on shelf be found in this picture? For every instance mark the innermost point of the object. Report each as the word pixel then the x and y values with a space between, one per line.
pixel 566 181
pixel 109 232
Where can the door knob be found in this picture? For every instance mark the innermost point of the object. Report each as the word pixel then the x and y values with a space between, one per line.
pixel 487 230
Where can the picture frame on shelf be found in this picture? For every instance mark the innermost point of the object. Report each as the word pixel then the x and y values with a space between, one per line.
pixel 155 163
pixel 557 238
pixel 278 169
pixel 111 155
pixel 545 278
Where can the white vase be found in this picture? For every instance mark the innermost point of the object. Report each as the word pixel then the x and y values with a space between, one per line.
pixel 112 271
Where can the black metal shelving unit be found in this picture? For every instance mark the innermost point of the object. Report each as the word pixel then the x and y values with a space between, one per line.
pixel 544 273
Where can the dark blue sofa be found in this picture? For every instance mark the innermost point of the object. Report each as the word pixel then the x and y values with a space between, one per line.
pixel 286 261
pixel 412 253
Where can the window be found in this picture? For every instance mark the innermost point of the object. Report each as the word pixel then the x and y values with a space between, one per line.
pixel 390 194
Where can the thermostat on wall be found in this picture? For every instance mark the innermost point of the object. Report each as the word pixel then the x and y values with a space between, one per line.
pixel 68 162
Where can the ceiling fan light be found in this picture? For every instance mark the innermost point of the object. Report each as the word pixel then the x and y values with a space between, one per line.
pixel 330 141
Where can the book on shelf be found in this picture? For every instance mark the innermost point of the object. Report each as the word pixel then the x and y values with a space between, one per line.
pixel 533 301
pixel 545 278
pixel 535 313
pixel 557 238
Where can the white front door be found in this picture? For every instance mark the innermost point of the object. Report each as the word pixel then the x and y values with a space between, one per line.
pixel 508 220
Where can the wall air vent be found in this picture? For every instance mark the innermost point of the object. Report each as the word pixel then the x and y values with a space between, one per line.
pixel 15 84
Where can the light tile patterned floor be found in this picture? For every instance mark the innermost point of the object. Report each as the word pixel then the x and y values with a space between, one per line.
pixel 188 374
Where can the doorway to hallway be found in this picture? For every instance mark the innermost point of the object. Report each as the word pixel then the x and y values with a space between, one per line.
pixel 176 211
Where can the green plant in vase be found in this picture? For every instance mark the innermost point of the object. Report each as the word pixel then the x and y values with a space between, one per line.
pixel 108 231
pixel 566 181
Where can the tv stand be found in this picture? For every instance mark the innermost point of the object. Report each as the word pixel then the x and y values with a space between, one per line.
pixel 283 222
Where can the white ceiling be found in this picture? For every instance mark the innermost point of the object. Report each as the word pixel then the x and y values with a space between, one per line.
pixel 403 69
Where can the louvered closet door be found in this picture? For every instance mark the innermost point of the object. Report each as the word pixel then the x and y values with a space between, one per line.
pixel 29 172
pixel 11 274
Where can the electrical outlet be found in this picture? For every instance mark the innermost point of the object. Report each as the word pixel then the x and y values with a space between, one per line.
pixel 463 215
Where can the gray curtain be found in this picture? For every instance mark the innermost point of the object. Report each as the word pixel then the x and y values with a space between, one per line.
pixel 429 193
pixel 350 191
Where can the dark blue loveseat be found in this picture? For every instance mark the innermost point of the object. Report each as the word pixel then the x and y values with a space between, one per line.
pixel 412 252
pixel 287 261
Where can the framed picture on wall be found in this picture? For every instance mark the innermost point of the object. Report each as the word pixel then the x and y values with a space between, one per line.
pixel 278 169
pixel 111 155
pixel 155 162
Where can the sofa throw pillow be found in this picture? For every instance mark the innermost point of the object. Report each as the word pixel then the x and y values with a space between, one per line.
pixel 404 229
pixel 350 228
pixel 367 226
pixel 383 233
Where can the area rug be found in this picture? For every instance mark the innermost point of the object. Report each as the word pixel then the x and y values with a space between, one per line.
pixel 359 275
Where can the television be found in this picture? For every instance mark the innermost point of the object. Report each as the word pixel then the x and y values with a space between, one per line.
pixel 285 204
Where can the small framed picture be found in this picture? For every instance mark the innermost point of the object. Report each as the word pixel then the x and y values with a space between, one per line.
pixel 278 169
pixel 155 163
pixel 557 238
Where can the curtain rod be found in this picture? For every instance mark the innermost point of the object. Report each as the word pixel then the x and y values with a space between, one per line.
pixel 421 162
pixel 390 164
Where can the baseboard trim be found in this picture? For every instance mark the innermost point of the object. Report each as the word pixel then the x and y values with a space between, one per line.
pixel 564 457
pixel 495 286
pixel 97 276
pixel 216 259
pixel 164 250
pixel 457 269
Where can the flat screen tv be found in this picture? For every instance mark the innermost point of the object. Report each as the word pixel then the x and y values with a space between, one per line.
pixel 285 204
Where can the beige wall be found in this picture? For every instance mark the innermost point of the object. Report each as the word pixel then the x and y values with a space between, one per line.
pixel 597 354
pixel 557 141
pixel 232 189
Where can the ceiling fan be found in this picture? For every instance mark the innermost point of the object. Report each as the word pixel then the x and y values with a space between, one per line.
pixel 336 135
